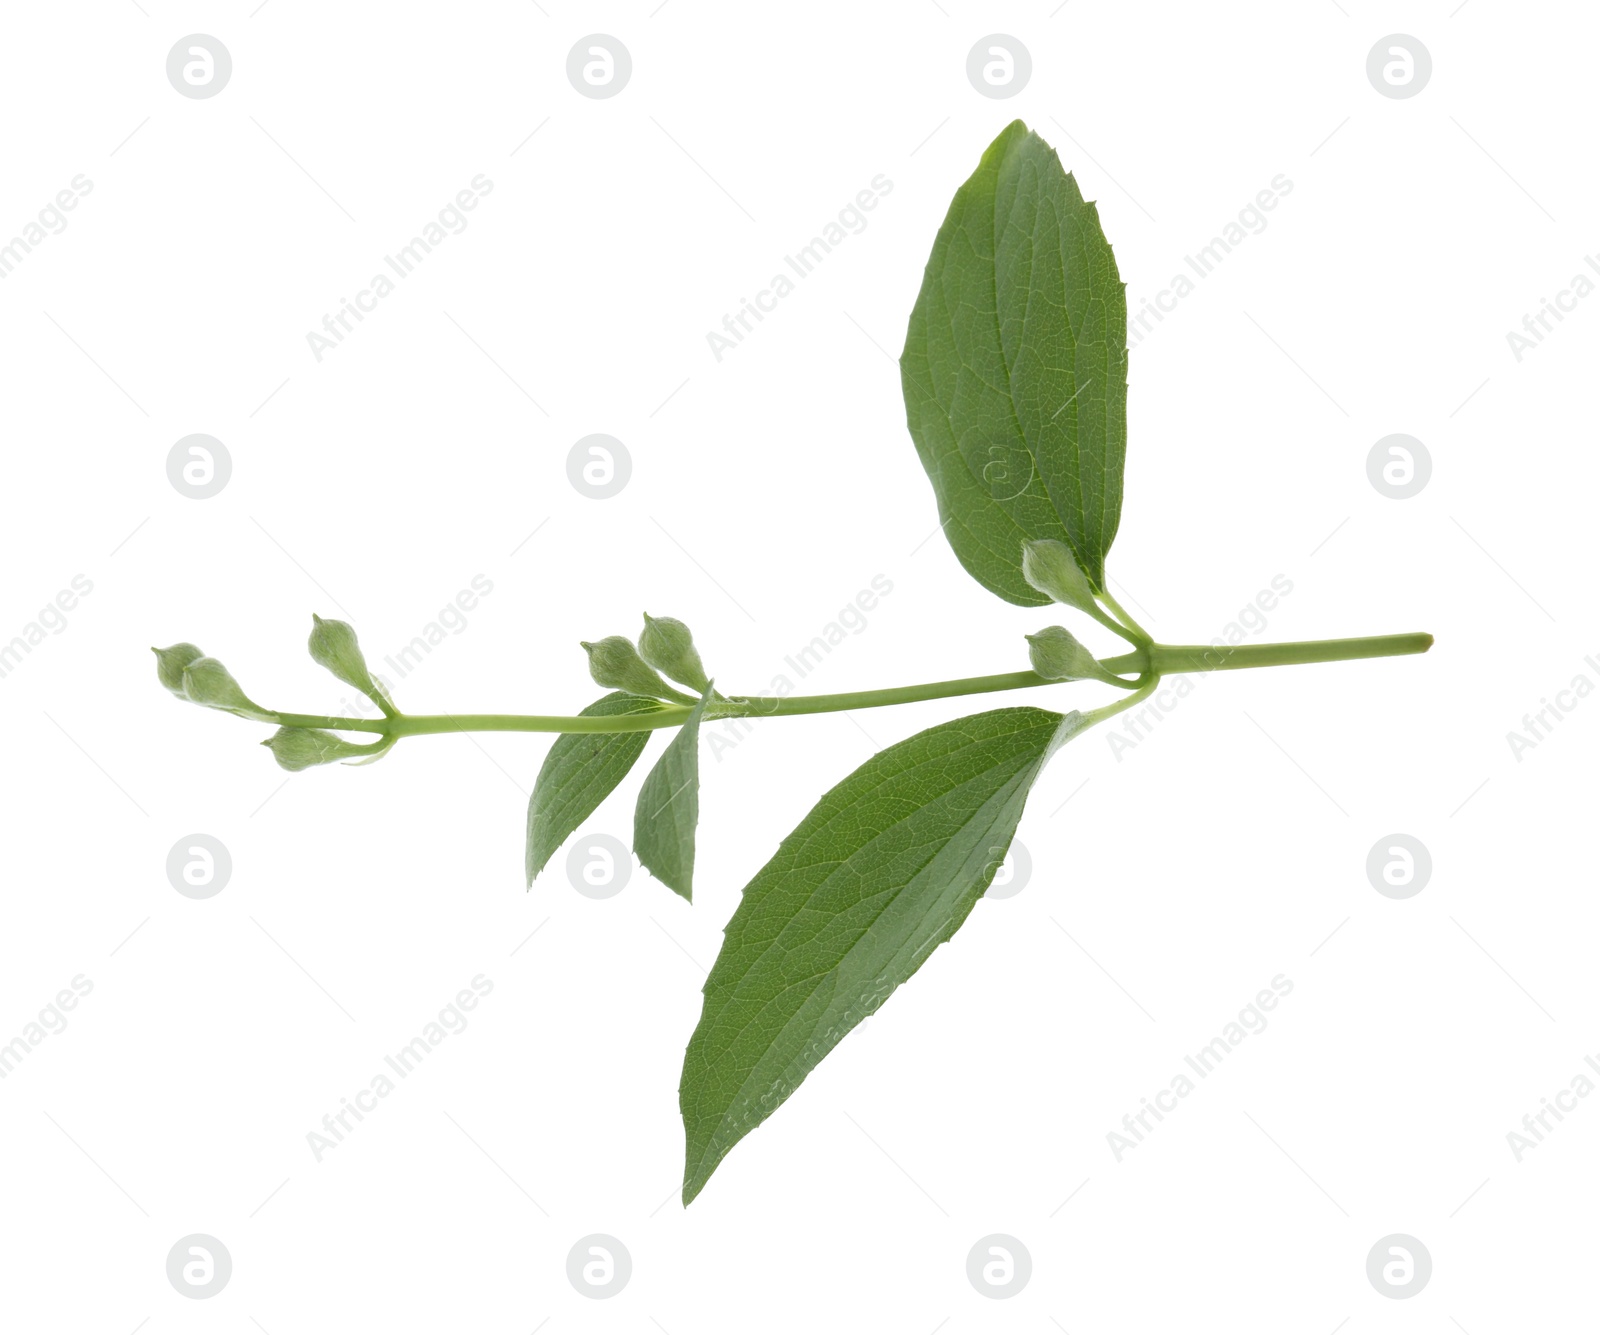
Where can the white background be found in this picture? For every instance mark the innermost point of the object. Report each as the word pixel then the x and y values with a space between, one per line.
pixel 767 490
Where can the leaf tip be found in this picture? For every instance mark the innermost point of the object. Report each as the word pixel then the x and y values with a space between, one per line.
pixel 696 1175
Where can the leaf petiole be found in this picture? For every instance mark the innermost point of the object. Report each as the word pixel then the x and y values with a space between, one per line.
pixel 1131 633
pixel 1146 687
pixel 1139 635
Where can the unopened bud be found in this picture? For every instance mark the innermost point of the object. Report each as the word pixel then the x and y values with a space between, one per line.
pixel 1057 655
pixel 615 664
pixel 1051 568
pixel 668 646
pixel 207 682
pixel 170 663
pixel 333 645
pixel 302 748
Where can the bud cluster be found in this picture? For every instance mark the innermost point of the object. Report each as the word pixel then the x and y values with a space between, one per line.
pixel 186 671
pixel 665 646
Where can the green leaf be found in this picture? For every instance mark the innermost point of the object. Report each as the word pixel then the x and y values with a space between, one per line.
pixel 577 776
pixel 886 866
pixel 668 808
pixel 1015 369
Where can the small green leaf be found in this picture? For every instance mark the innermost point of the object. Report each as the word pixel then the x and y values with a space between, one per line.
pixel 668 809
pixel 885 867
pixel 577 776
pixel 1015 369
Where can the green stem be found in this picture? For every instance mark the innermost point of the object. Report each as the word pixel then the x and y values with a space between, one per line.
pixel 1149 664
pixel 379 725
pixel 421 725
pixel 773 707
pixel 1168 658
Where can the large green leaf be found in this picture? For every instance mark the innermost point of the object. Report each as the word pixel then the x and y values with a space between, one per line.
pixel 668 809
pixel 1015 369
pixel 885 867
pixel 577 775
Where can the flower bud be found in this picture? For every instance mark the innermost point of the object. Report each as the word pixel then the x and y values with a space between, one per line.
pixel 207 682
pixel 615 664
pixel 170 663
pixel 667 646
pixel 1057 655
pixel 1050 567
pixel 301 748
pixel 333 645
